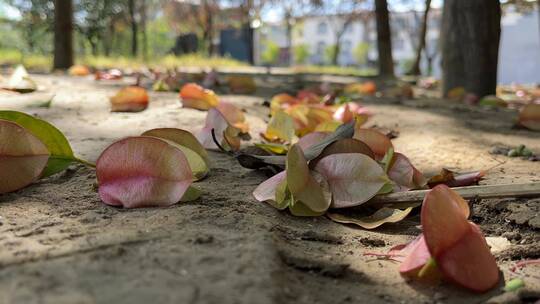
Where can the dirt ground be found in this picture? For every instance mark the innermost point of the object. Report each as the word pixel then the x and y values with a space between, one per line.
pixel 60 244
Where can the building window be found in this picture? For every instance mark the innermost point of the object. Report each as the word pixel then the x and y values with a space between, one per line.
pixel 345 48
pixel 349 28
pixel 322 28
pixel 320 48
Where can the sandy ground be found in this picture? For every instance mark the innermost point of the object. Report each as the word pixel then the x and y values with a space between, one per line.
pixel 60 244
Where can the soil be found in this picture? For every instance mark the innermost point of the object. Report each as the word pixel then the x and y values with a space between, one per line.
pixel 60 244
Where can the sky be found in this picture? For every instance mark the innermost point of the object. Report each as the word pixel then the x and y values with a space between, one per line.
pixel 8 11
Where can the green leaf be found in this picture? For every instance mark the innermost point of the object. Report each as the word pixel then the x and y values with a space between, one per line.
pixel 429 267
pixel 185 141
pixel 57 144
pixel 191 194
pixel 302 184
pixel 344 131
pixel 283 195
pixel 273 148
pixel 300 209
pixel 281 127
pixel 387 188
pixel 514 284
pixel 387 159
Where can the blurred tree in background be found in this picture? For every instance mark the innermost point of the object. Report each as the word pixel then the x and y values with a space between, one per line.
pixel 301 53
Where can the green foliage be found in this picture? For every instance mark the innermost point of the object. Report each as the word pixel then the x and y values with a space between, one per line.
pixel 337 70
pixel 301 53
pixel 270 54
pixel 36 62
pixel 160 38
pixel 330 52
pixel 406 64
pixel 360 52
pixel 35 25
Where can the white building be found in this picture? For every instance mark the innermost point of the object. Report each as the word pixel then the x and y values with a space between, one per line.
pixel 519 58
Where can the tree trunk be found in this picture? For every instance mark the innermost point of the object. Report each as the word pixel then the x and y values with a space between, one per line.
pixel 470 45
pixel 93 46
pixel 415 69
pixel 384 39
pixel 288 29
pixel 134 30
pixel 63 34
pixel 335 55
pixel 143 30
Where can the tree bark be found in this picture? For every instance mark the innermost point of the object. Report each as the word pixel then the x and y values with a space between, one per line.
pixel 63 34
pixel 415 68
pixel 288 30
pixel 134 29
pixel 470 45
pixel 143 30
pixel 384 39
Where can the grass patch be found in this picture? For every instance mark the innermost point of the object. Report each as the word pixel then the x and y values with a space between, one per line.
pixel 337 70
pixel 44 63
pixel 15 57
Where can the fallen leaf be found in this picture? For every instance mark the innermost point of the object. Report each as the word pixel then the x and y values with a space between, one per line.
pixel 280 101
pixel 23 157
pixel 195 153
pixel 280 128
pixel 306 96
pixel 416 256
pixel 196 97
pixel 241 84
pixel 20 81
pixel 233 115
pixel 112 74
pixel 353 178
pixel 376 141
pixel 142 172
pixel 61 154
pixel 492 101
pixel 366 88
pixel 327 126
pixel 529 117
pixel 78 70
pixel 226 135
pixel 457 245
pixel 311 139
pixel 456 93
pixel 350 111
pixel 272 148
pixel 514 284
pixel 130 99
pixel 404 174
pixel 254 161
pixel 452 179
pixel 267 190
pixel 346 145
pixel 380 217
pixel 302 185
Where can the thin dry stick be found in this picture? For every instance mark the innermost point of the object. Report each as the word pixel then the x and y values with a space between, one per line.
pixel 484 191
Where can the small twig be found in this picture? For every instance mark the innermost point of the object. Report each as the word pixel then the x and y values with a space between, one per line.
pixel 500 163
pixel 385 256
pixel 521 264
